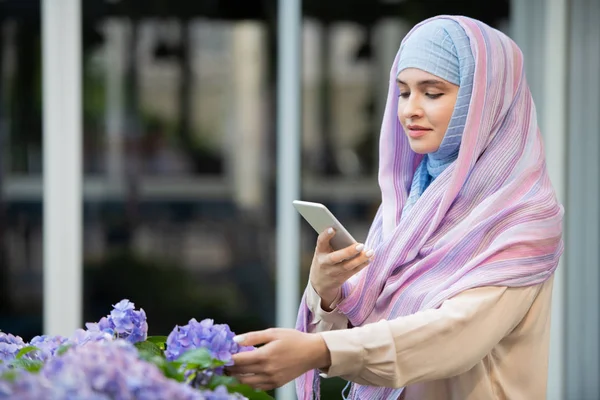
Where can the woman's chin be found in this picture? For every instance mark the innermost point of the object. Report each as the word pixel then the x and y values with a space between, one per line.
pixel 421 147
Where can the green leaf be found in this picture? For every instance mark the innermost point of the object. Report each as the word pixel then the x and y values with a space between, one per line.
pixel 149 347
pixel 171 370
pixel 147 355
pixel 220 380
pixel 27 365
pixel 249 392
pixel 24 351
pixel 234 386
pixel 63 349
pixel 199 358
pixel 160 341
pixel 9 376
pixel 191 377
pixel 168 368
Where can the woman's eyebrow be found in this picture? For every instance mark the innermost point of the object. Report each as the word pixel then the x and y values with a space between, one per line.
pixel 427 82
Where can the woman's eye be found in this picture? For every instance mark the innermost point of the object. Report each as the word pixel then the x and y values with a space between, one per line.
pixel 404 95
pixel 434 96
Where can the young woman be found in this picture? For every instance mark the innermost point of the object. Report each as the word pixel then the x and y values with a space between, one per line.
pixel 449 298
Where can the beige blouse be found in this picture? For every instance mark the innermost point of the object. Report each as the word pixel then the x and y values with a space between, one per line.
pixel 485 343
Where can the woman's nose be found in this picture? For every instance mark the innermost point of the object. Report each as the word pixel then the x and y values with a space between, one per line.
pixel 412 107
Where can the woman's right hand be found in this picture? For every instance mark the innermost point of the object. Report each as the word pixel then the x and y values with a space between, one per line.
pixel 330 269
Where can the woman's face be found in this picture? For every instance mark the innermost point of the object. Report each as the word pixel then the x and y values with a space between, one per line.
pixel 425 107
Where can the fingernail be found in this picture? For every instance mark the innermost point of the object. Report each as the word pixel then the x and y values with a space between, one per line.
pixel 239 338
pixel 330 231
pixel 359 247
pixel 369 253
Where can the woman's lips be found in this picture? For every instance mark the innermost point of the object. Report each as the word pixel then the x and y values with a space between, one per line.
pixel 417 132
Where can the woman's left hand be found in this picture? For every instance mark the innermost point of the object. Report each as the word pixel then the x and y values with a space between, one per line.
pixel 286 354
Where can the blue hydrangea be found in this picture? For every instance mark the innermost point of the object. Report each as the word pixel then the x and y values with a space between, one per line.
pixel 101 326
pixel 47 346
pixel 27 386
pixel 99 370
pixel 3 368
pixel 123 322
pixel 81 337
pixel 102 363
pixel 216 338
pixel 10 346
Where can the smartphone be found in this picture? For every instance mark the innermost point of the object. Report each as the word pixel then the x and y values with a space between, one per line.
pixel 320 218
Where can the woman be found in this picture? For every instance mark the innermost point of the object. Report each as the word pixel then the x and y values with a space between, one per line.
pixel 454 303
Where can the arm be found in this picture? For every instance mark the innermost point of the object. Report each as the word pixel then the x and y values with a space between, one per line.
pixel 324 320
pixel 431 344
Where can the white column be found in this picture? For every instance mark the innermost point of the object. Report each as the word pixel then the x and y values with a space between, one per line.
pixel 61 52
pixel 582 312
pixel 554 126
pixel 115 34
pixel 248 139
pixel 289 80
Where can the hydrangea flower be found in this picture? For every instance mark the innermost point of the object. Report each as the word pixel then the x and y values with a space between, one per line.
pixel 102 363
pixel 99 370
pixel 216 338
pixel 10 346
pixel 3 368
pixel 123 322
pixel 81 337
pixel 27 386
pixel 47 346
pixel 101 326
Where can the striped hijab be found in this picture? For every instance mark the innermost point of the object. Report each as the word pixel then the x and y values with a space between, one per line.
pixel 490 219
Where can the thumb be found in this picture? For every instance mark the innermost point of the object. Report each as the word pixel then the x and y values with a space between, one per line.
pixel 323 245
pixel 256 337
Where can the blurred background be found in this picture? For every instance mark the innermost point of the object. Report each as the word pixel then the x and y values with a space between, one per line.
pixel 179 152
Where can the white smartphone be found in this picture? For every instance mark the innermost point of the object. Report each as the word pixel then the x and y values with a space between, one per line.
pixel 320 218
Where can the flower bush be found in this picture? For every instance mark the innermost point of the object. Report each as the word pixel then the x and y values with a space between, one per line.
pixel 116 359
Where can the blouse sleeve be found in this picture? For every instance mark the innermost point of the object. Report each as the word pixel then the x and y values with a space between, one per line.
pixel 323 320
pixel 431 344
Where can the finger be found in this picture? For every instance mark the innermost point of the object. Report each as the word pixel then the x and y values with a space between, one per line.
pixel 358 268
pixel 323 241
pixel 359 262
pixel 347 253
pixel 256 337
pixel 323 245
pixel 247 358
pixel 258 381
pixel 238 369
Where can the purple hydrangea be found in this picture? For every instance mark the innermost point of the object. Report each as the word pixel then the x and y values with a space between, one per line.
pixel 124 322
pixel 81 337
pixel 10 346
pixel 101 326
pixel 216 338
pixel 99 370
pixel 47 345
pixel 26 386
pixel 101 362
